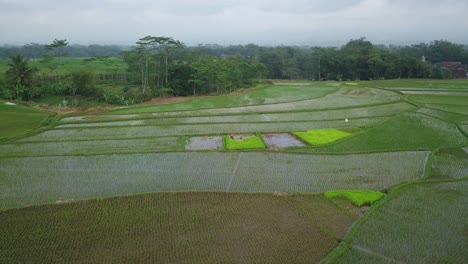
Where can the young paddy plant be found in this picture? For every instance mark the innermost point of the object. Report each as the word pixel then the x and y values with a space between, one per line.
pixel 321 136
pixel 239 142
pixel 357 197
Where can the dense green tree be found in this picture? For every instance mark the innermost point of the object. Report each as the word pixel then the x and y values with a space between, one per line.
pixel 83 83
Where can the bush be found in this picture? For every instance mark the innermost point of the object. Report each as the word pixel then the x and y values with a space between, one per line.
pixel 83 83
pixel 115 98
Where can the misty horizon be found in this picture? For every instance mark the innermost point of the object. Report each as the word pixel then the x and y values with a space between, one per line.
pixel 227 22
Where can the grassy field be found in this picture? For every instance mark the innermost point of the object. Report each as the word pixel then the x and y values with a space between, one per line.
pixel 175 228
pixel 406 139
pixel 17 120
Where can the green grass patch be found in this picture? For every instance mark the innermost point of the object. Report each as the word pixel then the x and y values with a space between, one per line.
pixel 243 142
pixel 321 136
pixel 358 197
pixel 17 120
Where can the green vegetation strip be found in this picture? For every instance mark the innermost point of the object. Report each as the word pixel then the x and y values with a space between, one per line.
pixel 321 136
pixel 239 142
pixel 175 228
pixel 17 120
pixel 358 197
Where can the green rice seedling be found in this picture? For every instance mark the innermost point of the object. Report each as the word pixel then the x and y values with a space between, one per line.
pixel 321 136
pixel 238 142
pixel 358 197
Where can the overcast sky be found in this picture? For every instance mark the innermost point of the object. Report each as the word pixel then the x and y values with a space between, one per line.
pixel 264 22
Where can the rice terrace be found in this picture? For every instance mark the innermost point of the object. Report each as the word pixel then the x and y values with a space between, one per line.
pixel 287 173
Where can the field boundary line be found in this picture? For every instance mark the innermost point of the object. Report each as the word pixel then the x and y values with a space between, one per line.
pixel 233 175
pixel 266 117
pixel 425 164
pixel 209 123
pixel 370 252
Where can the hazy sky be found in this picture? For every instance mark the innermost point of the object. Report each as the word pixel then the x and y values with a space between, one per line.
pixel 274 22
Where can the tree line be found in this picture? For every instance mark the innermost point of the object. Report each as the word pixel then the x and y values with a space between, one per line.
pixel 163 66
pixel 34 50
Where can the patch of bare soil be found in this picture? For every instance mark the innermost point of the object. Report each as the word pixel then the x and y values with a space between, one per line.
pixel 205 143
pixel 281 140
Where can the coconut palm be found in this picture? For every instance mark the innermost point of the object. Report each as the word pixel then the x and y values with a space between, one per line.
pixel 20 74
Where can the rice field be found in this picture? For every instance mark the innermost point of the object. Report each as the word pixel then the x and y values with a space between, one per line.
pixel 450 163
pixel 344 97
pixel 52 179
pixel 438 99
pixel 175 228
pixel 423 223
pixel 94 187
pixel 134 132
pixel 17 120
pixel 92 147
pixel 148 120
pixel 406 131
